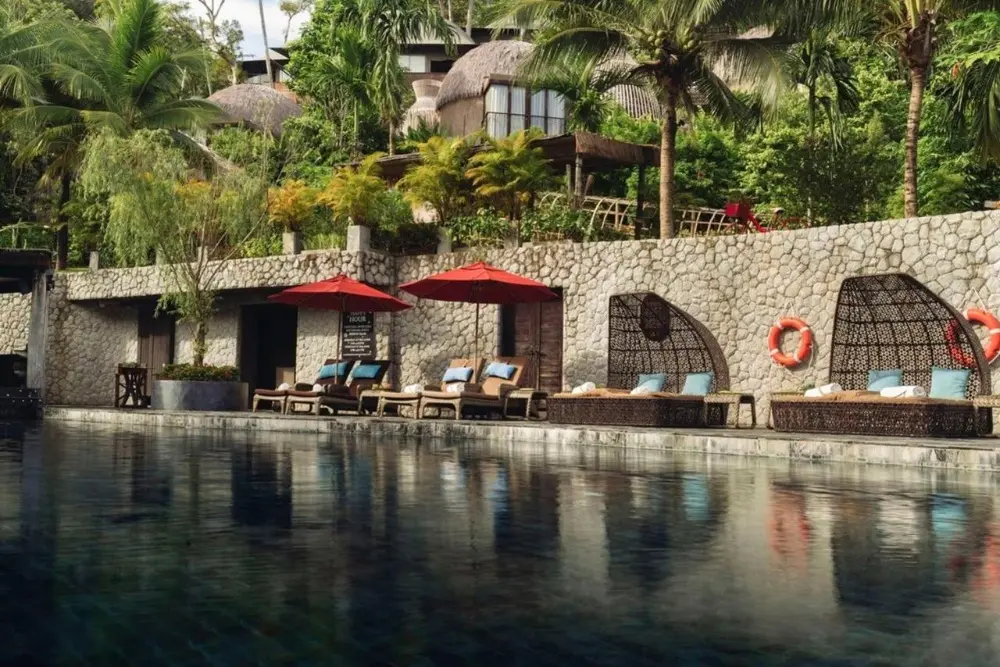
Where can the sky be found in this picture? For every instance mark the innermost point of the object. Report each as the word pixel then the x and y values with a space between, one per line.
pixel 248 14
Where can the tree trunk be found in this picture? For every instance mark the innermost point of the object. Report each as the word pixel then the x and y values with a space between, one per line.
pixel 468 16
pixel 451 13
pixel 668 146
pixel 62 230
pixel 199 346
pixel 918 80
pixel 267 49
pixel 392 138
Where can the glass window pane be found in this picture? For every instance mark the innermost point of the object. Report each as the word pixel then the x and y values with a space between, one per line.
pixel 516 123
pixel 496 125
pixel 557 105
pixel 518 100
pixel 496 99
pixel 539 122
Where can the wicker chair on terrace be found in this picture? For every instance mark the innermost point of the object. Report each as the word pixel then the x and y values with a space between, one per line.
pixel 892 321
pixel 649 336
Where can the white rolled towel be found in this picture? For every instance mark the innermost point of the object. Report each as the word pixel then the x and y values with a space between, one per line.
pixel 642 389
pixel 413 389
pixel 318 388
pixel 909 391
pixel 284 386
pixel 455 388
pixel 819 392
pixel 584 388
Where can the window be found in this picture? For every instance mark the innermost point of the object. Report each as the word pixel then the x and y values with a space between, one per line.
pixel 510 109
pixel 415 64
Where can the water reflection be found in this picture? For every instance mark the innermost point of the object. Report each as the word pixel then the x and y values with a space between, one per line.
pixel 172 547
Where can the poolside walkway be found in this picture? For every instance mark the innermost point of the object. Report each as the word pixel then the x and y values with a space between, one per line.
pixel 972 454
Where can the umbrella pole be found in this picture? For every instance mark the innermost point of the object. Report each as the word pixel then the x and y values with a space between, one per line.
pixel 477 331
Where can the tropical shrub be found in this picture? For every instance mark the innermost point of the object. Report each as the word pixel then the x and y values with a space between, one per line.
pixel 440 179
pixel 354 193
pixel 291 204
pixel 193 373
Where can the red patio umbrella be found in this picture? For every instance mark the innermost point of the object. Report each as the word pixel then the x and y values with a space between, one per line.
pixel 343 294
pixel 479 283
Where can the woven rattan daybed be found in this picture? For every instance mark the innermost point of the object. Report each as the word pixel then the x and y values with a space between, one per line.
pixel 647 334
pixel 893 321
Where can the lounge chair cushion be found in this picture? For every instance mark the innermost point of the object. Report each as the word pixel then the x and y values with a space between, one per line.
pixel 698 384
pixel 365 371
pixel 465 395
pixel 499 369
pixel 457 374
pixel 949 383
pixel 651 382
pixel 879 380
pixel 400 395
pixel 333 370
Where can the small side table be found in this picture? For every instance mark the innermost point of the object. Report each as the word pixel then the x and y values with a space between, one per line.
pixel 735 400
pixel 532 400
pixel 130 387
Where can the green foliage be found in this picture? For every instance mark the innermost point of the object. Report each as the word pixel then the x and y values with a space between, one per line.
pixel 440 179
pixel 192 373
pixel 354 194
pixel 510 173
pixel 159 206
pixel 560 222
pixel 972 58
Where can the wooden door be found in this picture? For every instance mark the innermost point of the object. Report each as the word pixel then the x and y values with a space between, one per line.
pixel 535 330
pixel 156 338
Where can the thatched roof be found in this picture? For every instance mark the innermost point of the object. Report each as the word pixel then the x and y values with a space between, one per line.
pixel 470 76
pixel 260 107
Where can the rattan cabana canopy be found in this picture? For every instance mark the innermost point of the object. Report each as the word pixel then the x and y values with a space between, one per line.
pixel 647 334
pixel 893 321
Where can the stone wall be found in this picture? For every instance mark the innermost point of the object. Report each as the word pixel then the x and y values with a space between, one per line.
pixel 736 285
pixel 14 312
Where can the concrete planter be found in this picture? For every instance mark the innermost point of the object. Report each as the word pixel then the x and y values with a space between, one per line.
pixel 203 396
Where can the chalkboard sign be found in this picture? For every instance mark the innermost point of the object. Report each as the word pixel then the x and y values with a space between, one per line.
pixel 357 335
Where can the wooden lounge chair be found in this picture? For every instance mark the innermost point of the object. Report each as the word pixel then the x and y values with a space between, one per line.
pixel 412 399
pixel 488 395
pixel 279 397
pixel 335 397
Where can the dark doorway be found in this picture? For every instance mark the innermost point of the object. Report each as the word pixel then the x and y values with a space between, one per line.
pixel 156 338
pixel 268 334
pixel 535 330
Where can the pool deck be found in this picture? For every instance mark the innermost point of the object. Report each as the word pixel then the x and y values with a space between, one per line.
pixel 970 454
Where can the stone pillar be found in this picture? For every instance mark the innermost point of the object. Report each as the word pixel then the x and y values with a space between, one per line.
pixel 95 260
pixel 444 241
pixel 359 238
pixel 291 243
pixel 38 325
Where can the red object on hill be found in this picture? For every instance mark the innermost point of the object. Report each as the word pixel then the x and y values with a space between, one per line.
pixel 742 212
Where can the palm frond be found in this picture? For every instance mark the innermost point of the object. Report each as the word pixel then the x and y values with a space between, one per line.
pixel 181 115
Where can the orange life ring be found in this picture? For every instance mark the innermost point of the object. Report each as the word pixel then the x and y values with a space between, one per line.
pixel 986 319
pixel 774 342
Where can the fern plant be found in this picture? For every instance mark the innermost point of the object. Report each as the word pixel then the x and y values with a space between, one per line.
pixel 440 179
pixel 510 173
pixel 354 194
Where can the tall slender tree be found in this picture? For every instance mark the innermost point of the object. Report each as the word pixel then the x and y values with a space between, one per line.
pixel 267 49
pixel 912 27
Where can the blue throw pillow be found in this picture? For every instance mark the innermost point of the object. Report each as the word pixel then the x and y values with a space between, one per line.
pixel 457 375
pixel 334 370
pixel 949 383
pixel 698 384
pixel 879 380
pixel 366 371
pixel 654 381
pixel 499 369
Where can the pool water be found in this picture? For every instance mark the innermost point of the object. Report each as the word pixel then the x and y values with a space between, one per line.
pixel 186 548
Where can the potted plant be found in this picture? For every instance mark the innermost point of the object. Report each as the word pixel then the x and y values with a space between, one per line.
pixel 291 205
pixel 193 218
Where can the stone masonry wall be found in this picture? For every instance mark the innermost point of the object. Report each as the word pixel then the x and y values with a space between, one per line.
pixel 14 313
pixel 736 285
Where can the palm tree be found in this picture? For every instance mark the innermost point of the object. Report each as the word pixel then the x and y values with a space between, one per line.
pixel 973 94
pixel 111 74
pixel 510 172
pixel 819 63
pixel 912 27
pixel 679 47
pixel 21 54
pixel 348 69
pixel 439 179
pixel 353 194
